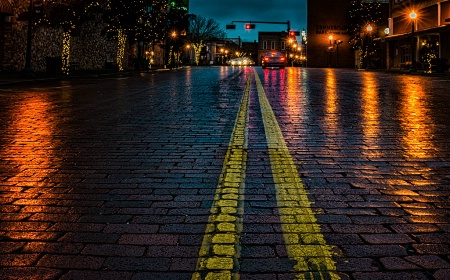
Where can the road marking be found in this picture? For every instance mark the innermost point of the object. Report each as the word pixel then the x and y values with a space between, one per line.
pixel 304 241
pixel 218 256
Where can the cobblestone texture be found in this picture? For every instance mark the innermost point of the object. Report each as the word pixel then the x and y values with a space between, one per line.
pixel 114 178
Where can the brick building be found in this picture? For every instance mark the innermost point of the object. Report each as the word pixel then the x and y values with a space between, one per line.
pixel 431 44
pixel 271 41
pixel 329 18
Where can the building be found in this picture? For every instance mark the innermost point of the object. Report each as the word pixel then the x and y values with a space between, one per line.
pixel 327 27
pixel 419 34
pixel 6 12
pixel 271 41
pixel 335 40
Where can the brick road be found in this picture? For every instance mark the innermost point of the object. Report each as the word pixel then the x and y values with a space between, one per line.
pixel 115 178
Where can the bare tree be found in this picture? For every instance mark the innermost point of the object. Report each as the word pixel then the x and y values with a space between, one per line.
pixel 202 30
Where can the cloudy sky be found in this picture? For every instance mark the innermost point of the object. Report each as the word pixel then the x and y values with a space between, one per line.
pixel 225 11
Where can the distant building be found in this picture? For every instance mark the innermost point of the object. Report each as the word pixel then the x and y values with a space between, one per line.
pixel 329 34
pixel 329 18
pixel 271 41
pixel 431 44
pixel 251 50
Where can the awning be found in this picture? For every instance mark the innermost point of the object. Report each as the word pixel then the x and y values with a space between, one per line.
pixel 6 7
pixel 433 30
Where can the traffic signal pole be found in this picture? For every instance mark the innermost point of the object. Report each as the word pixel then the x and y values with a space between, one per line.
pixel 251 24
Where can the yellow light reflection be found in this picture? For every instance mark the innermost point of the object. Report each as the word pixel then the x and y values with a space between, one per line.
pixel 293 93
pixel 415 120
pixel 331 100
pixel 371 111
pixel 31 145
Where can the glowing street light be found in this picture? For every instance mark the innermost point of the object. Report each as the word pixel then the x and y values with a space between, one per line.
pixel 369 30
pixel 413 17
pixel 330 49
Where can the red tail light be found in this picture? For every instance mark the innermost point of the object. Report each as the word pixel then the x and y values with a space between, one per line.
pixel 266 58
pixel 282 58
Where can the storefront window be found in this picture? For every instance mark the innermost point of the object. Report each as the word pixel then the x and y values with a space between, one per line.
pixel 405 54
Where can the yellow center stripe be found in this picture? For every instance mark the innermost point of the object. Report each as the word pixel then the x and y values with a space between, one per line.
pixel 304 241
pixel 220 249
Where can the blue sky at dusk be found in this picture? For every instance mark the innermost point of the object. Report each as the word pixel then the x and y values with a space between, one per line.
pixel 225 11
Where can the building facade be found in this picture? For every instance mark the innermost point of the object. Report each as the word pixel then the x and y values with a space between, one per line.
pixel 333 40
pixel 89 48
pixel 6 12
pixel 419 34
pixel 327 27
pixel 271 41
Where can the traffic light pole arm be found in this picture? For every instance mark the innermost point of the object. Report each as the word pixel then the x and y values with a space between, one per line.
pixel 288 23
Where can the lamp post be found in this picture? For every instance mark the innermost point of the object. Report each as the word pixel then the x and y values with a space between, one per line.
pixel 369 30
pixel 28 71
pixel 413 17
pixel 329 50
pixel 337 43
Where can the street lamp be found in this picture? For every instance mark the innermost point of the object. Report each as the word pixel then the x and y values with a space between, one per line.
pixel 28 71
pixel 369 30
pixel 329 49
pixel 337 43
pixel 413 17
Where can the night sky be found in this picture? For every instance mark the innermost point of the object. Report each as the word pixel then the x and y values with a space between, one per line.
pixel 225 11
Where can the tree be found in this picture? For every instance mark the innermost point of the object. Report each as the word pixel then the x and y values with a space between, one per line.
pixel 122 18
pixel 177 25
pixel 70 16
pixel 202 30
pixel 361 14
pixel 152 28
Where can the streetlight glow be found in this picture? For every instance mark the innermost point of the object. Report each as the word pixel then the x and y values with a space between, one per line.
pixel 413 17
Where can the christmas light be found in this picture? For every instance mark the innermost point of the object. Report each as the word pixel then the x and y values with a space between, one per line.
pixel 65 55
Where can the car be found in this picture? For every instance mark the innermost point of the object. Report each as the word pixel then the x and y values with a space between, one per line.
pixel 241 61
pixel 273 59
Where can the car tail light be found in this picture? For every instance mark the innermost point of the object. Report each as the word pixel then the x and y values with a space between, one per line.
pixel 282 58
pixel 266 58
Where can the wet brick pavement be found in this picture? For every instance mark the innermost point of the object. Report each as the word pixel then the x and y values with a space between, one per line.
pixel 114 178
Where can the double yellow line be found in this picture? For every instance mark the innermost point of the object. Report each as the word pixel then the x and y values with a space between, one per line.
pixel 220 251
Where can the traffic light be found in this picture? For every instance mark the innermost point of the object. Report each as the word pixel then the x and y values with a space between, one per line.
pixel 294 33
pixel 249 26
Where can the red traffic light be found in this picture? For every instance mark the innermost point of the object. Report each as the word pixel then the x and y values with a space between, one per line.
pixel 249 26
pixel 294 33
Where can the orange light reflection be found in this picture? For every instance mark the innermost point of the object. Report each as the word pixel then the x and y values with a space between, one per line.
pixel 415 120
pixel 371 112
pixel 31 147
pixel 331 102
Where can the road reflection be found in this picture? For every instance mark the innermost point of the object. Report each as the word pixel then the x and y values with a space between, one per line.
pixel 31 142
pixel 371 114
pixel 415 117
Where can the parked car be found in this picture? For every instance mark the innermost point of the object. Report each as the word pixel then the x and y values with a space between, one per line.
pixel 241 61
pixel 273 59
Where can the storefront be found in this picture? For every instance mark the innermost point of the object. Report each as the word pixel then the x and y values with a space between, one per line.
pixel 419 36
pixel 431 50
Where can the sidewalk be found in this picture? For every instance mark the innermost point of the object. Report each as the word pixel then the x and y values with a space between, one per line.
pixel 18 77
